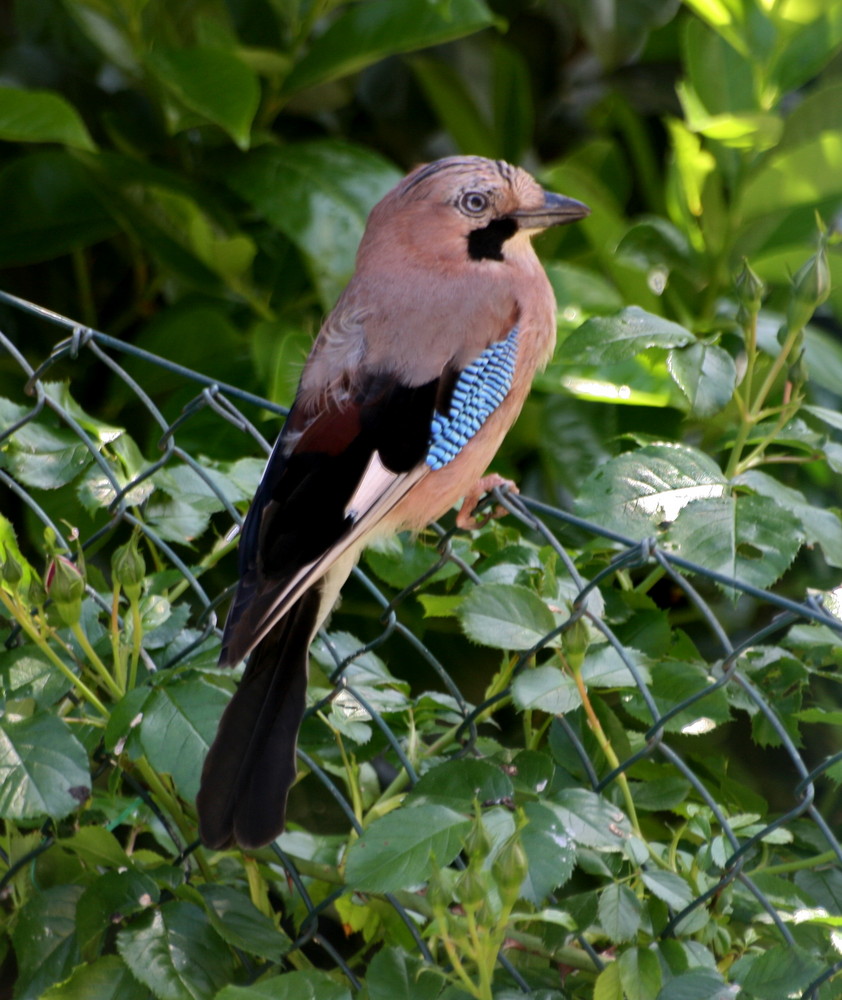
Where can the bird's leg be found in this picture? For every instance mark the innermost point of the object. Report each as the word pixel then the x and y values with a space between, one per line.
pixel 465 518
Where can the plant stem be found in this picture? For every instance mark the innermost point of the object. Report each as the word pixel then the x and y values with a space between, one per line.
pixel 100 668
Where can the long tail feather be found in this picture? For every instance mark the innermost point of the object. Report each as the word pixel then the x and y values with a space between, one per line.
pixel 250 767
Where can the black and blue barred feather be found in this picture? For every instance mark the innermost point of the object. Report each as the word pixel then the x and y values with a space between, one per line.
pixel 479 390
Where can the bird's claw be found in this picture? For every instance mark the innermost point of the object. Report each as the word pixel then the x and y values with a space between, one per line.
pixel 465 519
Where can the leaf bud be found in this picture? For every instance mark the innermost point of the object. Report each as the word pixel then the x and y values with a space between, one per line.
pixel 509 869
pixel 477 844
pixel 129 568
pixel 65 586
pixel 471 887
pixel 575 641
pixel 750 289
pixel 12 571
pixel 810 288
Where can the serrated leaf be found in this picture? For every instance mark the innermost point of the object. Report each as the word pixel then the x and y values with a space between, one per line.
pixel 635 492
pixel 605 340
pixel 706 374
pixel 462 781
pixel 698 984
pixel 43 768
pixel 589 819
pixel 44 938
pixel 175 953
pixel 394 975
pixel 105 978
pixel 238 921
pixel 549 849
pixel 640 973
pixel 546 689
pixel 115 892
pixel 608 985
pixel 41 116
pixel 619 912
pixel 669 887
pixel 394 851
pixel 749 538
pixel 307 985
pixel 821 527
pixel 505 616
pixel 778 972
pixel 603 667
pixel 179 724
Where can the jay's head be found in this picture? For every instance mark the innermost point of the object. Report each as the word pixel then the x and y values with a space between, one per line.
pixel 468 209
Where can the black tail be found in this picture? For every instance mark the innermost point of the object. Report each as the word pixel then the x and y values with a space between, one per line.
pixel 251 765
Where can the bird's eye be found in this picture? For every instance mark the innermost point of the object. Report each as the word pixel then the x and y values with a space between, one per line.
pixel 473 202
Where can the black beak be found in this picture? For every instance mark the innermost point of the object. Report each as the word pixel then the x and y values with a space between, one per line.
pixel 556 211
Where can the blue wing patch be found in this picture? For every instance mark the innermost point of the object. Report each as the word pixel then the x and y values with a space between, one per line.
pixel 479 390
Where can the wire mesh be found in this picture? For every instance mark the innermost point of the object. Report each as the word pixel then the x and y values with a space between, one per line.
pixel 84 347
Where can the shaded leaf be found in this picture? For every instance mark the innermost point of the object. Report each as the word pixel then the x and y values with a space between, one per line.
pixel 307 985
pixel 179 724
pixel 318 194
pixel 365 33
pixel 462 781
pixel 550 851
pixel 43 768
pixel 41 116
pixel 44 939
pixel 706 374
pixel 105 978
pixel 214 83
pixel 238 921
pixel 175 952
pixel 394 851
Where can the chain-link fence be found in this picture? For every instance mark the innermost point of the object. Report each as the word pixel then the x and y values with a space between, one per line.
pixel 100 356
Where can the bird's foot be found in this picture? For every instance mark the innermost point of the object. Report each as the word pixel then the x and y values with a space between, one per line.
pixel 465 518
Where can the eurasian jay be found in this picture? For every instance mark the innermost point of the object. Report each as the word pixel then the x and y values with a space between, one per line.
pixel 412 382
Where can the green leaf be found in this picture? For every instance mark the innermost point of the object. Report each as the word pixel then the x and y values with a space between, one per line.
pixel 318 194
pixel 43 768
pixel 115 892
pixel 546 689
pixel 25 672
pixel 749 538
pixel 97 847
pixel 212 82
pixel 550 851
pixel 699 984
pixel 674 682
pixel 105 978
pixel 669 887
pixel 456 109
pixel 610 339
pixel 777 972
pixel 617 30
pixel 394 975
pixel 619 912
pixel 41 116
pixel 50 207
pixel 44 939
pixel 175 952
pixel 608 985
pixel 179 723
pixel 634 492
pixel 820 527
pixel 309 985
pixel 640 973
pixel 589 819
pixel 505 616
pixel 363 34
pixel 706 374
pixel 394 851
pixel 603 667
pixel 459 782
pixel 238 921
